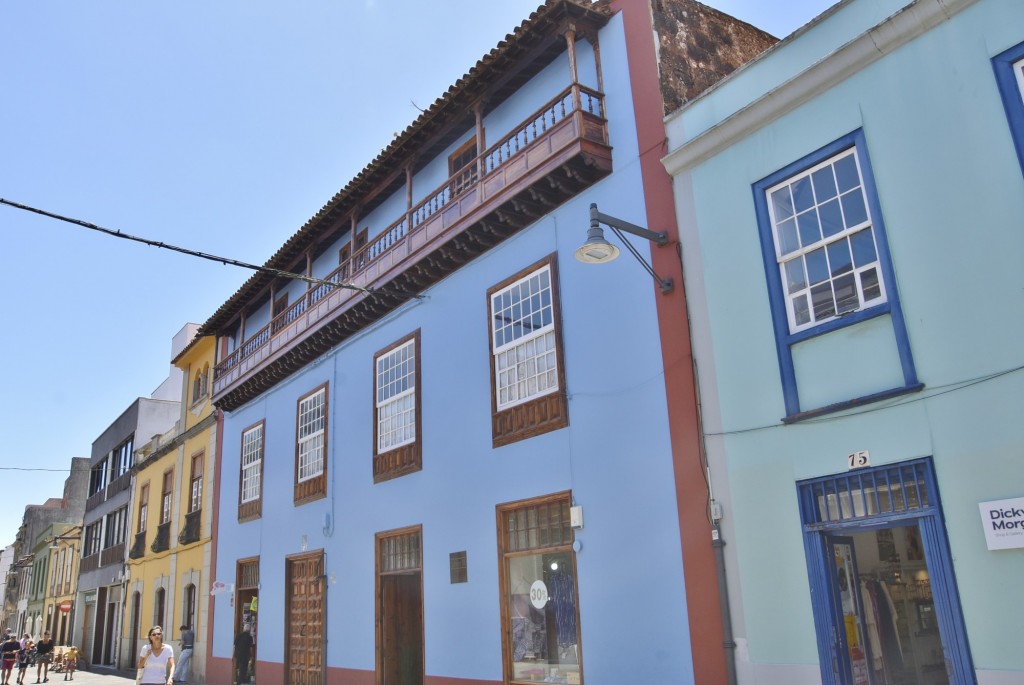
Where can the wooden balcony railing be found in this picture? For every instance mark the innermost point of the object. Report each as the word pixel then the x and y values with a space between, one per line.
pixel 190 533
pixel 163 538
pixel 530 152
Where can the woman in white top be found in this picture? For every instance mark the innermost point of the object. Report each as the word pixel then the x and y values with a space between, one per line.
pixel 156 662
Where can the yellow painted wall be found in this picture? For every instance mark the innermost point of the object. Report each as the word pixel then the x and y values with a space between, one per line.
pixel 183 564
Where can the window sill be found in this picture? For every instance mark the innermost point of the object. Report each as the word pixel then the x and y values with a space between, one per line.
pixel 852 404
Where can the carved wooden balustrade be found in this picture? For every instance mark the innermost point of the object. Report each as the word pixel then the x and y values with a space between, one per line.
pixel 550 157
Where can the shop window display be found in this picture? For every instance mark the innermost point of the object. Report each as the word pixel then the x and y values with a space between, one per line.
pixel 541 611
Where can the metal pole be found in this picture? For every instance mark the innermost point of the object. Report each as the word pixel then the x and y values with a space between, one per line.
pixel 723 598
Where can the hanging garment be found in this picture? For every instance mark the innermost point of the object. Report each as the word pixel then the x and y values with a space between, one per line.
pixel 564 600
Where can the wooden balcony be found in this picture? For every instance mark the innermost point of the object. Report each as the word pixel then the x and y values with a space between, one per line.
pixel 190 533
pixel 113 554
pixel 138 548
pixel 163 538
pixel 552 156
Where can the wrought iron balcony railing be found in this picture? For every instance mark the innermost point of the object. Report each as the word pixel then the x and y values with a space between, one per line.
pixel 163 538
pixel 190 533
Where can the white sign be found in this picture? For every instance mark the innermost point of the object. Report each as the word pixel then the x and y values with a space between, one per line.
pixel 538 594
pixel 859 460
pixel 219 587
pixel 1003 521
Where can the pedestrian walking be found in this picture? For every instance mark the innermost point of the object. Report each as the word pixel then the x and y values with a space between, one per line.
pixel 44 655
pixel 242 654
pixel 185 645
pixel 25 655
pixel 8 657
pixel 156 661
pixel 70 662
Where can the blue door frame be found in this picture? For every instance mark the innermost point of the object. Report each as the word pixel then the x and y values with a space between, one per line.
pixel 904 493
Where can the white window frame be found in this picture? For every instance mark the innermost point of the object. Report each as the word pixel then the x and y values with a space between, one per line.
pixel 794 257
pixel 516 360
pixel 252 464
pixel 312 435
pixel 196 482
pixel 396 411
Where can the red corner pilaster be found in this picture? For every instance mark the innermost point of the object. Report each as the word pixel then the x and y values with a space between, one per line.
pixel 700 577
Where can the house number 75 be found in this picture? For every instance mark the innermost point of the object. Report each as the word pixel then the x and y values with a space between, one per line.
pixel 859 460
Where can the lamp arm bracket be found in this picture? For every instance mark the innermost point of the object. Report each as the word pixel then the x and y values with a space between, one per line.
pixel 657 237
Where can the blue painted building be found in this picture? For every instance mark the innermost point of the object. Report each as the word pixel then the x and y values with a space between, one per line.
pixel 851 208
pixel 450 453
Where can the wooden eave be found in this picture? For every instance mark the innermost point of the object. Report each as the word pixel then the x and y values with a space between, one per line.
pixel 495 77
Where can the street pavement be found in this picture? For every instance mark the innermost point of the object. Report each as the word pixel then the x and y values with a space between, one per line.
pixel 83 677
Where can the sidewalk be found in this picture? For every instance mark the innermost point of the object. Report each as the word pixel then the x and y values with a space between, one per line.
pixel 102 677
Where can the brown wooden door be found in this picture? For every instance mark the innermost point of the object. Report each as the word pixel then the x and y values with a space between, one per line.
pixel 401 613
pixel 305 620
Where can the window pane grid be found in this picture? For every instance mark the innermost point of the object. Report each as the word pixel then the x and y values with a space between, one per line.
pixel 311 436
pixel 523 330
pixel 825 243
pixel 527 370
pixel 522 309
pixel 396 423
pixel 252 457
pixel 400 553
pixel 396 373
pixel 248 575
pixel 536 527
pixel 396 397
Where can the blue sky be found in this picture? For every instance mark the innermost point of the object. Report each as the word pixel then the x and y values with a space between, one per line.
pixel 219 126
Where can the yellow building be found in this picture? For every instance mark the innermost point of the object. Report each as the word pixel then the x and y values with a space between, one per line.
pixel 172 502
pixel 64 544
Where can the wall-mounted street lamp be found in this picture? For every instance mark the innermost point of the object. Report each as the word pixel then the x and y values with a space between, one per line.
pixel 597 250
pixel 53 541
pixel 24 562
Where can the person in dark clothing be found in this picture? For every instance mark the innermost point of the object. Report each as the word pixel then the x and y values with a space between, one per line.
pixel 243 652
pixel 44 655
pixel 8 657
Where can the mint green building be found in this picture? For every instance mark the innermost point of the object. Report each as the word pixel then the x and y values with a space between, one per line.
pixel 851 208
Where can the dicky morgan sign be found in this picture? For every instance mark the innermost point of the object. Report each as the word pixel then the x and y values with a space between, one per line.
pixel 1004 523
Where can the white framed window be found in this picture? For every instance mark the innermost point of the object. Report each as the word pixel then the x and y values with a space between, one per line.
pixel 524 340
pixel 196 487
pixel 252 464
pixel 312 435
pixel 825 242
pixel 396 397
pixel 166 496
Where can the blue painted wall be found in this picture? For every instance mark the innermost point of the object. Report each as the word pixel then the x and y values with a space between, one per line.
pixel 615 455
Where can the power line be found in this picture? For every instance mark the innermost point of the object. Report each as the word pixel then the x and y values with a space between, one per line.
pixel 840 415
pixel 186 251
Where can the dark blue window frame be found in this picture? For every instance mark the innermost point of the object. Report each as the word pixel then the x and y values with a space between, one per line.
pixel 926 513
pixel 1010 90
pixel 783 338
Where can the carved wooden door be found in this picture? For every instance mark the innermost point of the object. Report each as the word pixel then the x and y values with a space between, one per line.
pixel 305 620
